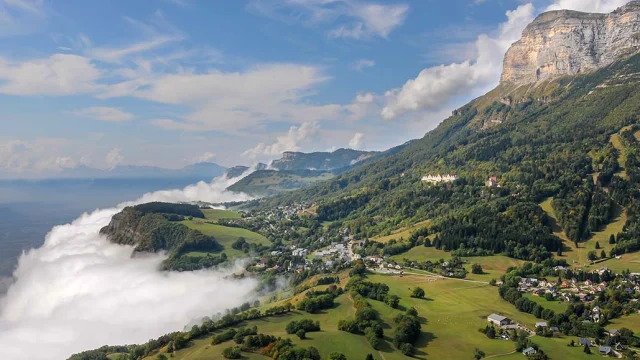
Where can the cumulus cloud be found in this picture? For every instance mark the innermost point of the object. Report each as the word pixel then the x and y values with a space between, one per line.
pixel 59 74
pixel 356 140
pixel 362 64
pixel 436 86
pixel 232 101
pixel 113 158
pixel 79 291
pixel 104 113
pixel 349 18
pixel 206 157
pixel 291 141
pixel 598 6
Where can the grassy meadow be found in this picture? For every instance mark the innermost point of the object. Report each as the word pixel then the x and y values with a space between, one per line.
pixel 225 235
pixel 578 256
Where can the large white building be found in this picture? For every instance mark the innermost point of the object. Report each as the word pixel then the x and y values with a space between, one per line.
pixel 439 178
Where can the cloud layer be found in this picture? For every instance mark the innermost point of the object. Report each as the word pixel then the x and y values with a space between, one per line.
pixel 79 291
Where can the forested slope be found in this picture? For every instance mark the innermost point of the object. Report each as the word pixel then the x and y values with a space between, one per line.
pixel 551 140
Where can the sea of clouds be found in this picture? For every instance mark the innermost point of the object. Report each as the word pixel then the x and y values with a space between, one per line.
pixel 78 291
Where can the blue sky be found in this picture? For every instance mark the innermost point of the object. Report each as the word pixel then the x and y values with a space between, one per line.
pixel 173 82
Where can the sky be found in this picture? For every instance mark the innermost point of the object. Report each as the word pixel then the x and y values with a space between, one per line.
pixel 170 83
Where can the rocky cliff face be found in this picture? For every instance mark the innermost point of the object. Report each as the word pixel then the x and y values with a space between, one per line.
pixel 559 43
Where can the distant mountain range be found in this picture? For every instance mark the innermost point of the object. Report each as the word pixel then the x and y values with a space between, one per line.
pixel 205 170
pixel 340 158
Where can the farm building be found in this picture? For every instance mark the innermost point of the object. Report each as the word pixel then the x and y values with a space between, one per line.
pixel 498 320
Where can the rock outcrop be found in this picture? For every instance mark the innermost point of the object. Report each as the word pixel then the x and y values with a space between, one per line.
pixel 559 43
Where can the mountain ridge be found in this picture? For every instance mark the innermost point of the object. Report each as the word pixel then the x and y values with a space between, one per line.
pixel 563 42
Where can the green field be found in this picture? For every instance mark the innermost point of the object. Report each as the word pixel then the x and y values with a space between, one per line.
pixel 555 305
pixel 328 340
pixel 578 256
pixel 217 214
pixel 404 232
pixel 631 322
pixel 225 235
pixel 627 261
pixel 452 313
pixel 493 266
pixel 557 348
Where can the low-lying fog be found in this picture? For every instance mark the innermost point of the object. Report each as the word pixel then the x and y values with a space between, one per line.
pixel 78 291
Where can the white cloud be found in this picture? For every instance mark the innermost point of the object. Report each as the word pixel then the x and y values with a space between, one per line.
pixel 362 64
pixel 356 141
pixel 21 157
pixel 20 17
pixel 78 291
pixel 232 101
pixel 59 74
pixel 104 113
pixel 291 141
pixel 206 157
pixel 597 6
pixel 113 158
pixel 117 54
pixel 351 18
pixel 434 87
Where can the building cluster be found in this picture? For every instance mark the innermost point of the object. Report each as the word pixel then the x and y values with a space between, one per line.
pixel 434 179
pixel 570 289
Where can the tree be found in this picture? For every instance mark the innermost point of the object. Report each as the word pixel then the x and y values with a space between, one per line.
pixel 548 296
pixel 417 292
pixel 301 334
pixel 369 357
pixel 492 282
pixel 597 245
pixel 592 255
pixel 392 300
pixel 476 269
pixel 491 333
pixel 408 349
pixel 478 354
pixel 587 350
pixel 231 353
pixel 603 254
pixel 337 356
pixel 572 343
pixel 612 239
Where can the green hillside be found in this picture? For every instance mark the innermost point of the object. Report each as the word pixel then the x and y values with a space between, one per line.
pixel 271 182
pixel 543 148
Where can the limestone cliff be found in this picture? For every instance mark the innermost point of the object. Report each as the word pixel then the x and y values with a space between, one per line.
pixel 563 42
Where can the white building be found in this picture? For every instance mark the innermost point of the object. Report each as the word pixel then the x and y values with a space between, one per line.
pixel 439 178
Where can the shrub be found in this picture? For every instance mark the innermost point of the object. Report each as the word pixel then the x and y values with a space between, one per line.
pixel 231 353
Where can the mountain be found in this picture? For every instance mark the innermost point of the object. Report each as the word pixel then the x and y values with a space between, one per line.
pixel 572 140
pixel 272 182
pixel 340 158
pixel 559 43
pixel 203 171
pixel 238 170
pixel 299 170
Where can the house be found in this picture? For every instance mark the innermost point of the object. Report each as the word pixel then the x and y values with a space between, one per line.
pixel 542 324
pixel 529 351
pixel 498 320
pixel 604 350
pixel 585 341
pixel 554 329
pixel 614 332
pixel 492 182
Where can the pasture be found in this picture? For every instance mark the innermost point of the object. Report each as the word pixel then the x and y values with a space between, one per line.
pixel 225 235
